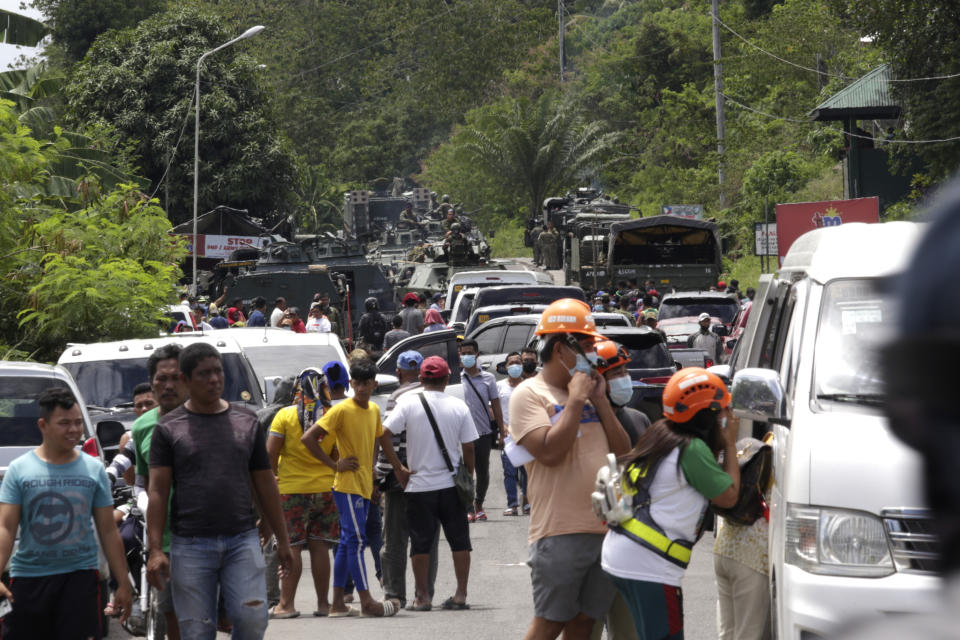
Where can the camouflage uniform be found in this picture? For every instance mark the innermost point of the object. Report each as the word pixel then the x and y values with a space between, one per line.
pixel 457 248
pixel 549 241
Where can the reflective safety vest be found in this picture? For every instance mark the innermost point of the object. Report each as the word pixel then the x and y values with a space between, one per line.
pixel 642 528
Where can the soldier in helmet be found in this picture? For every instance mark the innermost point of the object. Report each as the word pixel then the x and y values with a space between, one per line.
pixel 450 220
pixel 456 246
pixel 409 217
pixel 445 205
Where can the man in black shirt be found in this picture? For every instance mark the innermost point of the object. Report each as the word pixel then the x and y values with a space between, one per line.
pixel 212 454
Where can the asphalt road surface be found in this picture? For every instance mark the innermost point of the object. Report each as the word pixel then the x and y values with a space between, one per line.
pixel 499 590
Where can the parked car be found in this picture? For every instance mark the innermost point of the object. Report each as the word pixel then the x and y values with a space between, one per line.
pixel 850 533
pixel 491 278
pixel 725 307
pixel 107 372
pixel 20 384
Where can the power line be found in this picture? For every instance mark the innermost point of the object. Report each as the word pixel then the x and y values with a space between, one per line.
pixel 173 152
pixel 852 135
pixel 818 71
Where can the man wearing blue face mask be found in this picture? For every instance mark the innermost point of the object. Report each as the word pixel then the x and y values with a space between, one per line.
pixel 612 365
pixel 511 474
pixel 483 399
pixel 564 419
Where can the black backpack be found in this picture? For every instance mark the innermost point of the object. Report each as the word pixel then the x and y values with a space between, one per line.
pixel 756 463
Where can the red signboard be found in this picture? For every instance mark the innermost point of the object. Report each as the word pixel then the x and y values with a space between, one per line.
pixel 219 246
pixel 795 219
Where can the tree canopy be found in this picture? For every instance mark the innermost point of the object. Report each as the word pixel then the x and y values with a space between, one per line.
pixel 140 82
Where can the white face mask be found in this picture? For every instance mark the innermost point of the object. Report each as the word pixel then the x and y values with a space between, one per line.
pixel 621 390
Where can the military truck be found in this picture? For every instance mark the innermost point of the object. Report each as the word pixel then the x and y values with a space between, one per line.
pixel 367 214
pixel 674 252
pixel 585 247
pixel 320 264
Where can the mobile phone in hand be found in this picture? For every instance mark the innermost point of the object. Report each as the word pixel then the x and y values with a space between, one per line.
pixel 5 607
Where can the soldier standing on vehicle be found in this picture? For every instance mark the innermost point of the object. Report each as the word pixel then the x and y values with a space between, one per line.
pixel 456 246
pixel 450 219
pixel 705 339
pixel 550 247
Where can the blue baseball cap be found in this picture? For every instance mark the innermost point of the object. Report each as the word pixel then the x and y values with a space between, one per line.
pixel 337 374
pixel 409 360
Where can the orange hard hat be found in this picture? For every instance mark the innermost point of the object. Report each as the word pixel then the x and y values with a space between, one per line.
pixel 567 315
pixel 690 390
pixel 612 355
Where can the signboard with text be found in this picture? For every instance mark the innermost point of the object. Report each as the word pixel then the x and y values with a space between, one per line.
pixel 216 246
pixel 683 210
pixel 765 239
pixel 794 220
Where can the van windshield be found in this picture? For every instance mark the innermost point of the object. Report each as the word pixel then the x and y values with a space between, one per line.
pixel 854 321
pixel 110 383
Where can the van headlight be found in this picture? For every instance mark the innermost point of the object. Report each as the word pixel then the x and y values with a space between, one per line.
pixel 837 542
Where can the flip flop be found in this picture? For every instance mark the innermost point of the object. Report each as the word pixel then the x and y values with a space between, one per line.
pixel 389 609
pixel 284 616
pixel 352 612
pixel 419 607
pixel 449 604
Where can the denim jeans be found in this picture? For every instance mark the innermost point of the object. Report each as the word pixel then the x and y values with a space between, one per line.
pixel 202 567
pixel 511 476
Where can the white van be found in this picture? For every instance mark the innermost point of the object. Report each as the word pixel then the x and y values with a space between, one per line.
pixel 491 278
pixel 849 532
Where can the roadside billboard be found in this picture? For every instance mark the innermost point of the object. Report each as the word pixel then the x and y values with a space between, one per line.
pixel 219 246
pixel 795 219
pixel 764 239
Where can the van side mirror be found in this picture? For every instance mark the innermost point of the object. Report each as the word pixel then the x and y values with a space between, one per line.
pixel 758 395
pixel 109 433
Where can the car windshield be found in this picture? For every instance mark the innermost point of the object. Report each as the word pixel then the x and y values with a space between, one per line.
pixel 19 411
pixel 726 309
pixel 274 360
pixel 645 353
pixel 854 321
pixel 109 383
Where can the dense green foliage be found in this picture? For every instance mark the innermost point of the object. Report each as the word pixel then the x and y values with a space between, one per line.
pixel 141 82
pixel 77 23
pixel 96 263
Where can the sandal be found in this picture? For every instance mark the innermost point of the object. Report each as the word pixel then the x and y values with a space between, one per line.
pixel 390 608
pixel 481 516
pixel 111 610
pixel 510 511
pixel 455 606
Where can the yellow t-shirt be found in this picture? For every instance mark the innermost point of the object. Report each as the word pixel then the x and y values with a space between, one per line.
pixel 299 471
pixel 559 495
pixel 355 430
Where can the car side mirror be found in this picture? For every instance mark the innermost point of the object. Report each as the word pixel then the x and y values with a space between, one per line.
pixel 677 365
pixel 732 343
pixel 387 383
pixel 758 395
pixel 109 433
pixel 720 330
pixel 445 314
pixel 502 368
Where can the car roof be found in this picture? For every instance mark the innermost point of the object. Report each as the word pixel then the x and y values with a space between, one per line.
pixel 142 348
pixel 259 336
pixel 716 295
pixel 9 367
pixel 852 250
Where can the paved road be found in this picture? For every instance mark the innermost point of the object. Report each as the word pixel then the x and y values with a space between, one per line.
pixel 499 591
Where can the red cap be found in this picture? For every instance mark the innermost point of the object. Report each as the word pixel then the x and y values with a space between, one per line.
pixel 411 296
pixel 721 285
pixel 434 367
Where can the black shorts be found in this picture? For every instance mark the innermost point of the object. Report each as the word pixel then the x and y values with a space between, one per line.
pixel 425 508
pixel 65 606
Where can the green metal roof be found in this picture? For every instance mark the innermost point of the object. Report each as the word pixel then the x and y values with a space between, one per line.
pixel 867 97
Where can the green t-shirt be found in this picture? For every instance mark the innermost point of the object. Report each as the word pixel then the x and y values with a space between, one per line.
pixel 702 470
pixel 142 432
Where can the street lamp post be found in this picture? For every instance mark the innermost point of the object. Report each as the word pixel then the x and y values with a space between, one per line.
pixel 252 31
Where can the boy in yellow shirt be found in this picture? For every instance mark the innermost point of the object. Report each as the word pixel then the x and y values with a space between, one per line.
pixel 355 425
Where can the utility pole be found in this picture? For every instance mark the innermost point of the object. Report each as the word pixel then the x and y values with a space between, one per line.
pixel 718 90
pixel 560 38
